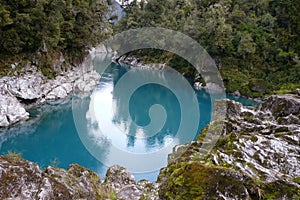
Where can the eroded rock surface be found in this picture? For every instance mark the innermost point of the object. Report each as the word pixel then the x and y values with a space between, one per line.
pixel 256 157
pixel 21 179
pixel 124 184
pixel 11 110
pixel 31 88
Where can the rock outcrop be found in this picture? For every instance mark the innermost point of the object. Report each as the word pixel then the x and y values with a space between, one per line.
pixel 133 61
pixel 11 110
pixel 21 179
pixel 125 186
pixel 31 88
pixel 257 156
pixel 282 105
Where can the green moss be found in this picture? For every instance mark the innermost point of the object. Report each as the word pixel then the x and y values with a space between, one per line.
pixel 249 117
pixel 256 157
pixel 14 155
pixel 279 119
pixel 287 88
pixel 226 141
pixel 202 134
pixel 280 190
pixel 251 165
pixel 296 180
pixel 193 180
pixel 253 138
pixel 280 134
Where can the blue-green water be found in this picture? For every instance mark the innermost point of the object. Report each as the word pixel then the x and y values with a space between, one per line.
pixel 50 137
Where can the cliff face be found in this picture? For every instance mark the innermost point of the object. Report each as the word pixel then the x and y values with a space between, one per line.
pixel 29 87
pixel 257 157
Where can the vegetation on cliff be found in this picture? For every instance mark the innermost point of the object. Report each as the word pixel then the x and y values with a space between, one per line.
pixel 42 32
pixel 256 44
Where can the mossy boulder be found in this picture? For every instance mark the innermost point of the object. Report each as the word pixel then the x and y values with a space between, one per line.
pixel 282 105
pixel 193 180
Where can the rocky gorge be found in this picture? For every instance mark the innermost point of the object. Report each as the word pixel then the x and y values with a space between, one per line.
pixel 256 157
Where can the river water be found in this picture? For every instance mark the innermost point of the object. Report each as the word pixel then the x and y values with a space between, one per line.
pixel 61 133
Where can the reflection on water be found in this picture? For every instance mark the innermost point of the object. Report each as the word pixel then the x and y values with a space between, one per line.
pixel 109 119
pixel 141 115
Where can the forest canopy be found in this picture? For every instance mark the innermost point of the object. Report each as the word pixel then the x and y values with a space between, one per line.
pixel 28 27
pixel 256 44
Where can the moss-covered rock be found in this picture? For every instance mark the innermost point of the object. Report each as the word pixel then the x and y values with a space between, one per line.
pixel 193 180
pixel 21 179
pixel 259 151
pixel 282 105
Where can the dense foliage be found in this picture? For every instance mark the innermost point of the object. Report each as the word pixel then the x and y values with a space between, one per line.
pixel 256 44
pixel 45 28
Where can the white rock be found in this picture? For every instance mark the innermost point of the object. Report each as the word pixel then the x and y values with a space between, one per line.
pixel 11 111
pixel 3 120
pixel 27 86
pixel 237 93
pixel 87 82
pixel 198 86
pixel 57 93
pixel 67 87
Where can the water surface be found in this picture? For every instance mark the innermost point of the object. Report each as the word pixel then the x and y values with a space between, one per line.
pixel 50 137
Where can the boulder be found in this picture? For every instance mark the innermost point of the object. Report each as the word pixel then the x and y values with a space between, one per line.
pixel 123 182
pixel 57 93
pixel 193 180
pixel 282 105
pixel 11 111
pixel 87 82
pixel 26 87
pixel 118 177
pixel 21 179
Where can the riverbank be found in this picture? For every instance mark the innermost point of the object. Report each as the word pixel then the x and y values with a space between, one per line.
pixel 198 83
pixel 30 88
pixel 256 157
